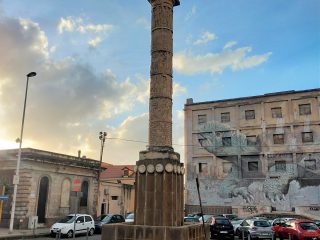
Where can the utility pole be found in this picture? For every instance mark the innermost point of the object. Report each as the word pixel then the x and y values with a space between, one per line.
pixel 102 137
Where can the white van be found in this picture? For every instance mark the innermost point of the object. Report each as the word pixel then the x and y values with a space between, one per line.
pixel 67 225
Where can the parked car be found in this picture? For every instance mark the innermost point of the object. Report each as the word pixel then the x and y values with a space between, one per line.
pixel 317 222
pixel 298 229
pixel 236 223
pixel 130 217
pixel 255 228
pixel 207 218
pixel 191 219
pixel 230 216
pixel 221 228
pixel 81 223
pixel 107 219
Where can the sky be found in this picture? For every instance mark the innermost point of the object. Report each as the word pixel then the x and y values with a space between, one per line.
pixel 92 60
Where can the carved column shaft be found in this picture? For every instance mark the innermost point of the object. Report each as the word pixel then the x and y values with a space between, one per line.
pixel 160 105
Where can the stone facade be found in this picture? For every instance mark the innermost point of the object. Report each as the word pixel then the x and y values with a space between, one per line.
pixel 259 153
pixel 47 181
pixel 117 189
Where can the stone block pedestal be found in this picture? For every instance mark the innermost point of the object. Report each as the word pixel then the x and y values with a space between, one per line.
pixel 145 232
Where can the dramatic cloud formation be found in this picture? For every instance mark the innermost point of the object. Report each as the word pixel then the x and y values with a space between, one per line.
pixel 68 102
pixel 187 63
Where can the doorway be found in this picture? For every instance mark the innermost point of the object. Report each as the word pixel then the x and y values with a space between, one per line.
pixel 42 199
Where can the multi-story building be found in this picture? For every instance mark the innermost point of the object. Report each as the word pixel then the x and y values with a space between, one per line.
pixel 254 154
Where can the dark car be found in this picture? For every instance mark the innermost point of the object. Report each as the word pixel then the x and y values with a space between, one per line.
pixel 106 219
pixel 221 228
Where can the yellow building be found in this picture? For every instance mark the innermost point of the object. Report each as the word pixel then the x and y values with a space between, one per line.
pixel 254 154
pixel 117 189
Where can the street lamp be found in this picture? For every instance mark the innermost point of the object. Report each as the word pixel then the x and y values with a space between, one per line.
pixel 102 137
pixel 16 176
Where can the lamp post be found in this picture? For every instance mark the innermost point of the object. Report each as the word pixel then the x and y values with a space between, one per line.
pixel 16 176
pixel 102 137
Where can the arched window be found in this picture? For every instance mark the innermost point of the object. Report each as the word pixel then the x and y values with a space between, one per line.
pixel 65 193
pixel 84 190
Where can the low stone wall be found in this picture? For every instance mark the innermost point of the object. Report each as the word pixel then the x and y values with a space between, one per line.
pixel 144 232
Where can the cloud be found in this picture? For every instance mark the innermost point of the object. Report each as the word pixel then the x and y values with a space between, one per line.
pixel 187 63
pixel 192 12
pixel 229 45
pixel 71 24
pixel 94 42
pixel 96 32
pixel 205 38
pixel 68 101
pixel 66 24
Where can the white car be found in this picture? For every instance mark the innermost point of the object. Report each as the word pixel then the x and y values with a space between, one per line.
pixel 67 225
pixel 130 217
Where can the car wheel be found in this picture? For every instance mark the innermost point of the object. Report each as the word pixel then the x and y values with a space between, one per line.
pixel 295 238
pixel 91 231
pixel 70 234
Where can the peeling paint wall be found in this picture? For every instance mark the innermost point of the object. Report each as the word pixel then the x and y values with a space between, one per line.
pixel 255 151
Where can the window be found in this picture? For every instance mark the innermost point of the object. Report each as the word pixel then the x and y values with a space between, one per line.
pixel 280 166
pixel 307 137
pixel 251 140
pixel 114 197
pixel 227 167
pixel 304 109
pixel 88 218
pixel 278 138
pixel 226 141
pixel 253 166
pixel 80 219
pixel 202 119
pixel 276 112
pixel 310 164
pixel 125 172
pixel 250 114
pixel 225 117
pixel 202 167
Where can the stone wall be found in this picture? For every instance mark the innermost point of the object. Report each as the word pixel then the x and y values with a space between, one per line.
pixel 143 232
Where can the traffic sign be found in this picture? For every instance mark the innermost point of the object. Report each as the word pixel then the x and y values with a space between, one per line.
pixel 4 197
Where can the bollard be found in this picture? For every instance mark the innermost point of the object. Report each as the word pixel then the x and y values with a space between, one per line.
pixel 87 237
pixel 58 234
pixel 249 236
pixel 289 236
pixel 242 235
pixel 34 228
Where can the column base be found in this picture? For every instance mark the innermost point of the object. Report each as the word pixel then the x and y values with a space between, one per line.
pixel 128 231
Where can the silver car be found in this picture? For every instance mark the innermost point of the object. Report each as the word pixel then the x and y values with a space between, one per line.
pixel 256 229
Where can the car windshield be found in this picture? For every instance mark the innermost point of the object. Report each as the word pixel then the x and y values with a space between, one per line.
pixel 191 219
pixel 308 226
pixel 67 219
pixel 236 221
pixel 130 216
pixel 261 224
pixel 222 221
pixel 104 218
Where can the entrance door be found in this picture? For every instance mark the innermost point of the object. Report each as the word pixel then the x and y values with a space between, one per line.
pixel 42 199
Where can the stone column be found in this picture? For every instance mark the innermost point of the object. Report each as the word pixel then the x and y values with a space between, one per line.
pixel 159 175
pixel 160 105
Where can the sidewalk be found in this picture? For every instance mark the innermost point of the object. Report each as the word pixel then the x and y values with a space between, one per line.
pixel 23 233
